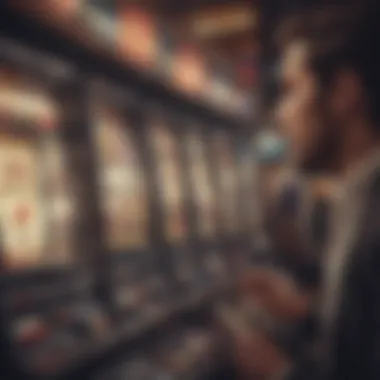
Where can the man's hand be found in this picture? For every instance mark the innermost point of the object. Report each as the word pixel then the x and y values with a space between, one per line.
pixel 256 357
pixel 277 293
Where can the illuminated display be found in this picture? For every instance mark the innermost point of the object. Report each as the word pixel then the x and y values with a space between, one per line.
pixel 167 156
pixel 22 217
pixel 202 186
pixel 138 36
pixel 36 217
pixel 122 184
pixel 188 70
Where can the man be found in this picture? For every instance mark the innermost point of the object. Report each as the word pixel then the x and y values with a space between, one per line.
pixel 330 112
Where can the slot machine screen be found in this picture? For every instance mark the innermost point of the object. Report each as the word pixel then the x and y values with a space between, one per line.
pixel 202 185
pixel 227 181
pixel 122 183
pixel 167 156
pixel 37 205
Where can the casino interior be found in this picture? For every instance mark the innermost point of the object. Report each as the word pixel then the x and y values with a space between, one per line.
pixel 90 289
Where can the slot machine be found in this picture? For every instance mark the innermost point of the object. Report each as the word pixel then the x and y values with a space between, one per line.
pixel 48 307
pixel 138 286
pixel 224 164
pixel 212 266
pixel 248 197
pixel 163 143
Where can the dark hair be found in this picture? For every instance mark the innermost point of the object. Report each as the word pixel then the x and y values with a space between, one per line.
pixel 340 37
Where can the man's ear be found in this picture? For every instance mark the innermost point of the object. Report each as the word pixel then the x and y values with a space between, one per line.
pixel 346 93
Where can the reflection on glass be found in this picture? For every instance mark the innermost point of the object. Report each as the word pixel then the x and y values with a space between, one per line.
pixel 166 150
pixel 122 185
pixel 202 187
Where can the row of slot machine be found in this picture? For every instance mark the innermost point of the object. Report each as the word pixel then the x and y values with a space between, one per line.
pixel 112 213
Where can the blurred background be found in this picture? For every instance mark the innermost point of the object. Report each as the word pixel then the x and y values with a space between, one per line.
pixel 139 176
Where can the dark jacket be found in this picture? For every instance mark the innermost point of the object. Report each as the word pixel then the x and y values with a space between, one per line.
pixel 348 344
pixel 355 339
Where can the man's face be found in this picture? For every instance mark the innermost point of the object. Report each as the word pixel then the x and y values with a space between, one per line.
pixel 303 114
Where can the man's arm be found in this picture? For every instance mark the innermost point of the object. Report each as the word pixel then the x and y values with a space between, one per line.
pixel 257 351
